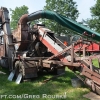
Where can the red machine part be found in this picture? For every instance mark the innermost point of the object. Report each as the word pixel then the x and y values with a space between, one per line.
pixel 72 60
pixel 90 47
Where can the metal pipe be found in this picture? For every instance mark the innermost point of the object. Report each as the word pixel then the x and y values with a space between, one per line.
pixel 23 19
pixel 64 21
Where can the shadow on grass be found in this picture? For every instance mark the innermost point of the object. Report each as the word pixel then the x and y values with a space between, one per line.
pixel 57 86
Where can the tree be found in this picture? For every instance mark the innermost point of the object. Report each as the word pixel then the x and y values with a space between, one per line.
pixel 16 14
pixel 94 22
pixel 67 8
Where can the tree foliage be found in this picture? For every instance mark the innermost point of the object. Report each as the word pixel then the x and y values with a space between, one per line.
pixel 67 8
pixel 16 14
pixel 94 22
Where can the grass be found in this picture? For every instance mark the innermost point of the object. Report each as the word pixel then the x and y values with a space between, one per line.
pixel 95 62
pixel 57 86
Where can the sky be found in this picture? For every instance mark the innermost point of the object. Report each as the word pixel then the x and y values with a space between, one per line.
pixel 84 8
pixel 34 5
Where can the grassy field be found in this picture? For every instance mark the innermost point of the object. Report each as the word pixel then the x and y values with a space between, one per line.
pixel 36 87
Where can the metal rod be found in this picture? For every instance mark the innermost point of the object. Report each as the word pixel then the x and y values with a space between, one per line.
pixel 72 53
pixel 84 52
pixel 91 67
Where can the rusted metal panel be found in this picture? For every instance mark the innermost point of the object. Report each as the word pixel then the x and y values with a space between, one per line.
pixel 21 36
pixel 30 69
pixel 29 64
pixel 30 72
pixel 21 33
pixel 17 34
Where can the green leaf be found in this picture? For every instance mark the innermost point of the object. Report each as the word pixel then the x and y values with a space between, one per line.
pixel 67 8
pixel 16 14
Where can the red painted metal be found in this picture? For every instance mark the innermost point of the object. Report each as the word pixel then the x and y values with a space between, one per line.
pixel 92 47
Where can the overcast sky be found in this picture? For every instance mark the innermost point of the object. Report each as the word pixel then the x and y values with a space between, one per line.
pixel 35 5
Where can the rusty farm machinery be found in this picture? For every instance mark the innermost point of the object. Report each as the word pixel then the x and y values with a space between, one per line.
pixel 27 51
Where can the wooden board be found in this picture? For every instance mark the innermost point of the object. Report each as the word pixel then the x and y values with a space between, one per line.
pixel 92 96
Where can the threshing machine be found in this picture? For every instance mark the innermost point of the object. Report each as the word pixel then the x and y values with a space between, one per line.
pixel 28 51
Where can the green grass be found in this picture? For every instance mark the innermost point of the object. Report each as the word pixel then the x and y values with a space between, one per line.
pixel 95 63
pixel 57 86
